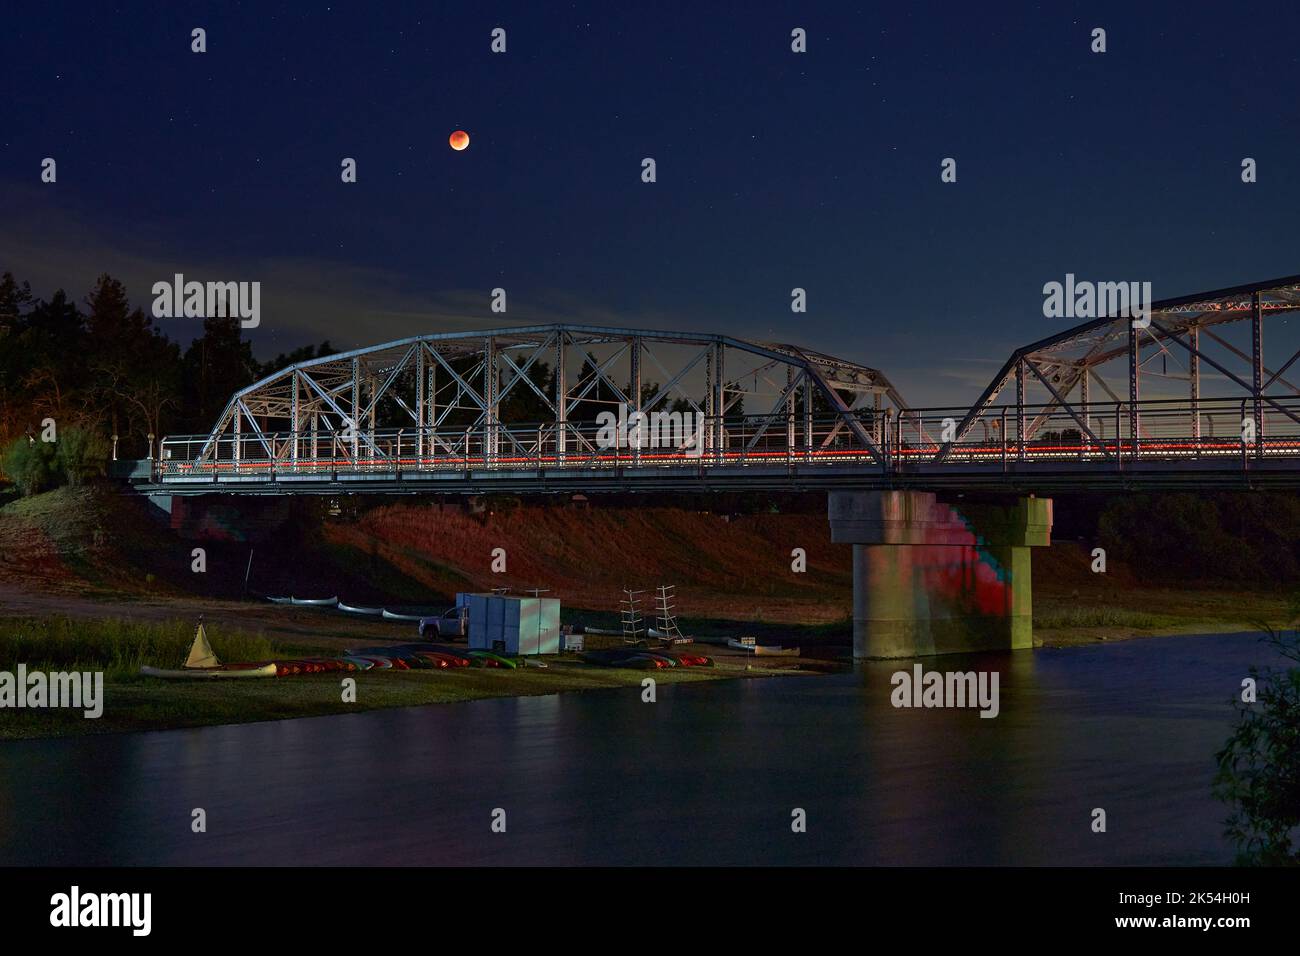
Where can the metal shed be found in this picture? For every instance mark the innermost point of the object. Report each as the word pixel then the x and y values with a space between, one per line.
pixel 513 625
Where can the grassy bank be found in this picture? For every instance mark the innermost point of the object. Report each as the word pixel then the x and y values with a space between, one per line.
pixel 133 702
pixel 1062 620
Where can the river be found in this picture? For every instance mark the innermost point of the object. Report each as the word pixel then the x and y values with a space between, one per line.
pixel 709 774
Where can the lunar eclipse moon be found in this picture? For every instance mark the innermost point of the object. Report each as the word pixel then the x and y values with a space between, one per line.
pixel 459 140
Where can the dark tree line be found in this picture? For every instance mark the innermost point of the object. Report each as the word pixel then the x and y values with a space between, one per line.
pixel 103 368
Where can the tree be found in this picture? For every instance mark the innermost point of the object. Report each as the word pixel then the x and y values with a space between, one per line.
pixel 45 368
pixel 303 354
pixel 129 364
pixel 147 390
pixel 15 301
pixel 215 366
pixel 523 405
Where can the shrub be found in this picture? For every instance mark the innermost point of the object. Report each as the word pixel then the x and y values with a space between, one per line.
pixel 1259 766
pixel 82 455
pixel 31 466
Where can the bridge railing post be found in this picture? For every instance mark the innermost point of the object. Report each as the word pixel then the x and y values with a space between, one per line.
pixel 1119 437
pixel 1003 430
pixel 1245 453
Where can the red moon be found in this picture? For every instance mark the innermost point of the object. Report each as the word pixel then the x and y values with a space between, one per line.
pixel 459 139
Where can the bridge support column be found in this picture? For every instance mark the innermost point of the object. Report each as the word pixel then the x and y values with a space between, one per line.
pixel 931 578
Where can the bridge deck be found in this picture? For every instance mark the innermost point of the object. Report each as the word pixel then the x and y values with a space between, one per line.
pixel 1174 447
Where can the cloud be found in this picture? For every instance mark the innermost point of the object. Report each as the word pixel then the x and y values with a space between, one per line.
pixel 54 243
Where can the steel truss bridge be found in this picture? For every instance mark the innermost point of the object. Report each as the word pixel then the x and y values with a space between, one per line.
pixel 1107 403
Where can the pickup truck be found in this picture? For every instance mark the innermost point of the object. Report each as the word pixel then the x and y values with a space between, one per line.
pixel 450 623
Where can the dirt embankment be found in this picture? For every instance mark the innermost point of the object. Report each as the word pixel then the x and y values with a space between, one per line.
pixel 73 549
pixel 94 543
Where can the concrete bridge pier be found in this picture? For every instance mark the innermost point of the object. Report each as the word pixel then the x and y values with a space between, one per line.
pixel 933 578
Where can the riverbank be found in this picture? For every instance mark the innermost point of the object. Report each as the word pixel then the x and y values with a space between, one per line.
pixel 132 702
pixel 1074 619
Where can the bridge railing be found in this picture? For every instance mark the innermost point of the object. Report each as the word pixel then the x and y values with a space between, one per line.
pixel 733 438
pixel 1106 434
pixel 1113 432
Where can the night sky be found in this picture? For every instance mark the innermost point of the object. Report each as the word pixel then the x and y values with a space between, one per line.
pixel 775 169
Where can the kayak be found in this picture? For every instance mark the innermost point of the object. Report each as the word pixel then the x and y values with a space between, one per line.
pixel 380 663
pixel 694 660
pixel 360 663
pixel 434 660
pixel 638 662
pixel 609 655
pixel 453 660
pixel 394 654
pixel 190 673
pixel 303 666
pixel 491 660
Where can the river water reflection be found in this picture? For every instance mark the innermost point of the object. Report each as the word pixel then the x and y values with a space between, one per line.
pixel 708 775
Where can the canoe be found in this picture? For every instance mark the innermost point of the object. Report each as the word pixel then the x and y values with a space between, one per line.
pixel 392 616
pixel 201 673
pixel 280 600
pixel 771 650
pixel 376 611
pixel 315 602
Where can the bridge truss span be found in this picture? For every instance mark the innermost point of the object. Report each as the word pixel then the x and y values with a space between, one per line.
pixel 530 408
pixel 1121 387
pixel 535 396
